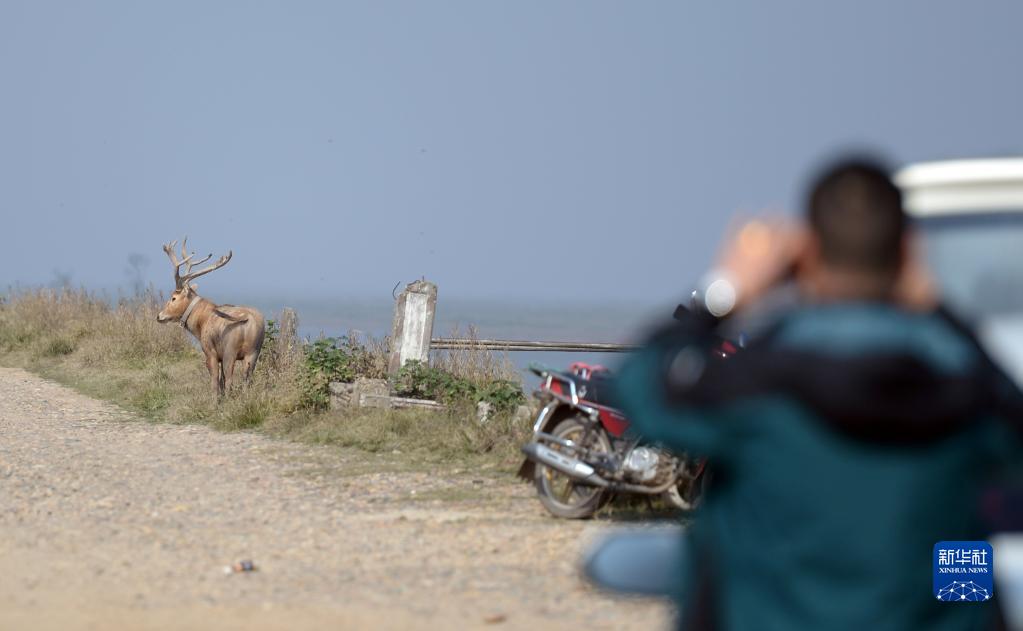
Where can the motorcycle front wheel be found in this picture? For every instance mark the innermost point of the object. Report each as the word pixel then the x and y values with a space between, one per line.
pixel 561 495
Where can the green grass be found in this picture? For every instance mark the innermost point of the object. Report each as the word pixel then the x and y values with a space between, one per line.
pixel 119 353
pixel 58 346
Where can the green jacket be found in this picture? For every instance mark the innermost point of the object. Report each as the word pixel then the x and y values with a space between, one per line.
pixel 843 446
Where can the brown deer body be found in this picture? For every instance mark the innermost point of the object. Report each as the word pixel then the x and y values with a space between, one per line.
pixel 226 333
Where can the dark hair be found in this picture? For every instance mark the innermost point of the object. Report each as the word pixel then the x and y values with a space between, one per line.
pixel 856 212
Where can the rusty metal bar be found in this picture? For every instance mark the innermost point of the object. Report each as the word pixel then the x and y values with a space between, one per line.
pixel 525 345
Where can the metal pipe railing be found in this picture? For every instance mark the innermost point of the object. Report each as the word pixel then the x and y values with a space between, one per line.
pixel 442 343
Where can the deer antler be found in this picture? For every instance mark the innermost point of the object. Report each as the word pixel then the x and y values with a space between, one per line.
pixel 187 262
pixel 168 248
pixel 181 280
pixel 221 262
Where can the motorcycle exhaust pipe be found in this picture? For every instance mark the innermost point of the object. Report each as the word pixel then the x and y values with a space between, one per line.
pixel 572 467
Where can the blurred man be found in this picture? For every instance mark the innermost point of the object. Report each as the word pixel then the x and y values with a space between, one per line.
pixel 849 436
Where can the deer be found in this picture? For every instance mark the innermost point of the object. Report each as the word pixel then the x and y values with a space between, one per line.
pixel 226 333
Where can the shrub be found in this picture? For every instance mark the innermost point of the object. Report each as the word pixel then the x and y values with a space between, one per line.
pixel 419 381
pixel 59 346
pixel 339 359
pixel 503 394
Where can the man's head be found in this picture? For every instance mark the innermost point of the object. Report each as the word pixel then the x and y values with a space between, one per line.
pixel 857 233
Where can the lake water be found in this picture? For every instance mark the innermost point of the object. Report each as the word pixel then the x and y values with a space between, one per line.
pixel 525 320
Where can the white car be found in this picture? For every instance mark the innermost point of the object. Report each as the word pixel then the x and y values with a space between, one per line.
pixel 971 215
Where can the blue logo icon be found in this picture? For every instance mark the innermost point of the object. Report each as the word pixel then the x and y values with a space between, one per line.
pixel 963 571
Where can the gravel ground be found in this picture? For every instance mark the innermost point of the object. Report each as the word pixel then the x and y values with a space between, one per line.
pixel 107 522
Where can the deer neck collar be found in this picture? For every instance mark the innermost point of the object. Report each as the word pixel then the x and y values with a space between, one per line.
pixel 188 312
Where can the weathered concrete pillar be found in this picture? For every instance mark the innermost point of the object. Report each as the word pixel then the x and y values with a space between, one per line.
pixel 289 333
pixel 413 325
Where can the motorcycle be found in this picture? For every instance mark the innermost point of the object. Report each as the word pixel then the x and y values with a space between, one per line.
pixel 582 453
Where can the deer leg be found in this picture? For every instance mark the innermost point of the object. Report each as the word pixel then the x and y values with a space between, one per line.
pixel 213 366
pixel 249 366
pixel 230 356
pixel 228 373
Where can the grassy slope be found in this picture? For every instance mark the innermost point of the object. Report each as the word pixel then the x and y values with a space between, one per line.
pixel 121 354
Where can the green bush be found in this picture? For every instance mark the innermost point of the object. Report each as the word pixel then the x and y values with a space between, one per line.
pixel 272 335
pixel 419 381
pixel 337 359
pixel 503 394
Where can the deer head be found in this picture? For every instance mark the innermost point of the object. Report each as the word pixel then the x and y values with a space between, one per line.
pixel 184 291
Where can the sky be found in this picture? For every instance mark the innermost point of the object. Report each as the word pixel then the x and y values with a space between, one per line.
pixel 528 151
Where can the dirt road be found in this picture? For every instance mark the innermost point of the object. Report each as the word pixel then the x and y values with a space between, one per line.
pixel 112 523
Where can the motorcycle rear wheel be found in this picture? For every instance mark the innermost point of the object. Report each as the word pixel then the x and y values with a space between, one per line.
pixel 561 495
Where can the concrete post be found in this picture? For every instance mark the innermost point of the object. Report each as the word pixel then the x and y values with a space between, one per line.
pixel 413 325
pixel 289 333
